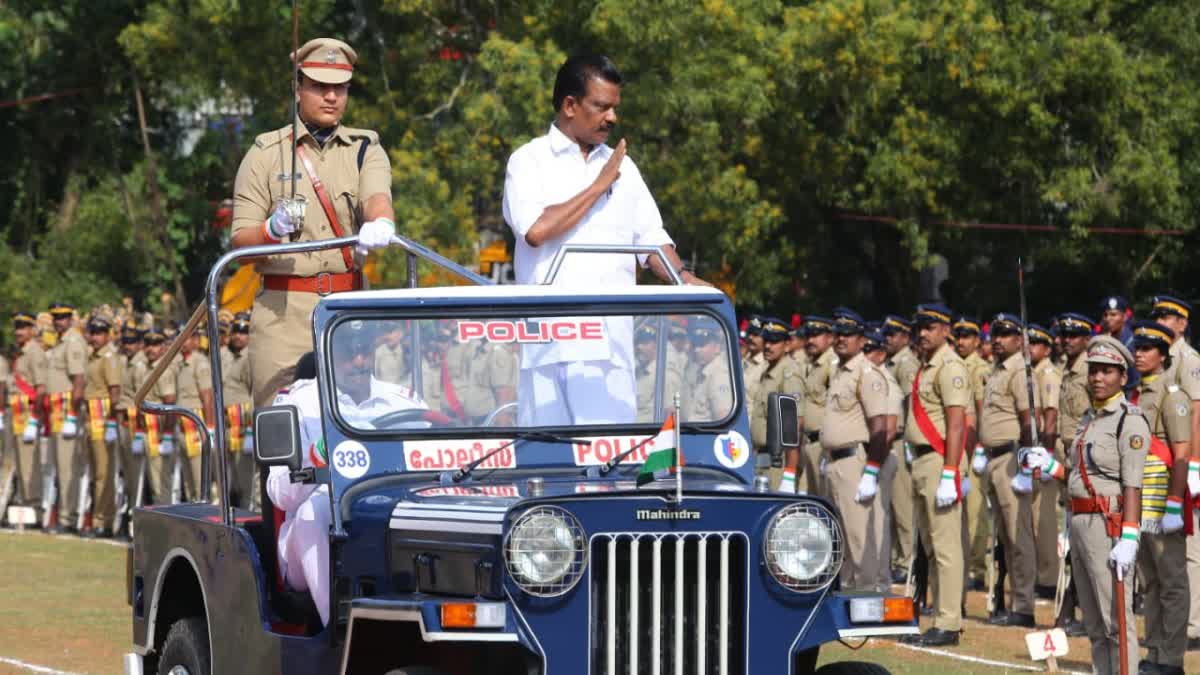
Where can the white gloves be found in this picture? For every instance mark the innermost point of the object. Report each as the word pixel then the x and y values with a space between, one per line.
pixel 868 485
pixel 70 427
pixel 376 234
pixel 166 446
pixel 787 484
pixel 29 434
pixel 1124 552
pixel 947 490
pixel 979 461
pixel 1194 477
pixel 139 444
pixel 248 441
pixel 1173 519
pixel 281 223
pixel 110 431
pixel 1022 483
pixel 1035 458
pixel 964 486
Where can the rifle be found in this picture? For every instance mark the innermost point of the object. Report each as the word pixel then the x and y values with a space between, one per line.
pixel 6 495
pixel 49 494
pixel 120 499
pixel 85 498
pixel 991 562
pixel 1060 587
pixel 1001 575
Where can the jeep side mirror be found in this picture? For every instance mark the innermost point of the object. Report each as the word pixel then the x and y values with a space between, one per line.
pixel 783 425
pixel 277 436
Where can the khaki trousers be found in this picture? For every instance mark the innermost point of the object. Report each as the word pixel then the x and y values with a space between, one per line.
pixel 192 490
pixel 1193 574
pixel 883 502
pixel 810 480
pixel 902 510
pixel 1090 546
pixel 280 333
pixel 941 536
pixel 864 523
pixel 1160 557
pixel 1015 519
pixel 9 481
pixel 70 459
pixel 130 467
pixel 1045 530
pixel 979 525
pixel 243 479
pixel 30 472
pixel 100 457
pixel 160 474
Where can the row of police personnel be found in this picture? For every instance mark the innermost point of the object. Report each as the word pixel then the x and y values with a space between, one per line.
pixel 892 436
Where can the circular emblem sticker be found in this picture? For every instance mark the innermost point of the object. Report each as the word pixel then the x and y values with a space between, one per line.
pixel 731 450
pixel 957 382
pixel 351 459
pixel 1136 442
pixel 1181 410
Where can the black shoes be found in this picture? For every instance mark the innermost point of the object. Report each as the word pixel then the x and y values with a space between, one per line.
pixel 1151 668
pixel 1072 627
pixel 1044 592
pixel 899 575
pixel 1013 619
pixel 1193 644
pixel 934 637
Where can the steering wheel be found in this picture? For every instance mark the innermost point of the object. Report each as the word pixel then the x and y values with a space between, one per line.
pixel 491 417
pixel 387 420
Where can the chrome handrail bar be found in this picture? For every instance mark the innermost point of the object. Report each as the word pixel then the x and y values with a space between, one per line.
pixel 638 249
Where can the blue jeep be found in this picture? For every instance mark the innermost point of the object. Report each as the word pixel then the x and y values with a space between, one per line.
pixel 511 538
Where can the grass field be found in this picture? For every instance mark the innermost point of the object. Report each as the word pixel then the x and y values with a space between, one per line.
pixel 62 608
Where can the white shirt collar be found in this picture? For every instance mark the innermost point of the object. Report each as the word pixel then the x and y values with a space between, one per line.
pixel 560 143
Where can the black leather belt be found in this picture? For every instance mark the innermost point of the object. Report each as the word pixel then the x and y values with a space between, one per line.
pixel 1001 450
pixel 813 436
pixel 921 450
pixel 842 453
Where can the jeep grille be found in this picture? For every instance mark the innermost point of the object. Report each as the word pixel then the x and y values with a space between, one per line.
pixel 666 603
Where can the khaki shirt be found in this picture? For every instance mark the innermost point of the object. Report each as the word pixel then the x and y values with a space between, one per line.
pixel 483 368
pixel 1073 399
pixel 391 364
pixel 978 369
pixel 133 374
pixel 943 384
pixel 67 359
pixel 1114 463
pixel 895 402
pixel 103 371
pixel 166 384
pixel 858 391
pixel 193 375
pixel 431 385
pixel 710 394
pixel 1004 398
pixel 31 365
pixel 1047 380
pixel 751 372
pixel 782 378
pixel 263 178
pixel 816 386
pixel 1185 369
pixel 903 366
pixel 235 378
pixel 801 358
pixel 645 374
pixel 1166 408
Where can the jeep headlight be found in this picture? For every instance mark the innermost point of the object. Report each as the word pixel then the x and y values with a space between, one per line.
pixel 546 551
pixel 803 547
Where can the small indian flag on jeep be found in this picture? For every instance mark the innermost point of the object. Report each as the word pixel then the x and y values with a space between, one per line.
pixel 665 459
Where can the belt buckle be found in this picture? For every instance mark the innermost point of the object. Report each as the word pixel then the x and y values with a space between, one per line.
pixel 324 283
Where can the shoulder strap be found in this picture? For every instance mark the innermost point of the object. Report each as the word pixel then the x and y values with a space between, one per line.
pixel 924 423
pixel 362 152
pixel 326 204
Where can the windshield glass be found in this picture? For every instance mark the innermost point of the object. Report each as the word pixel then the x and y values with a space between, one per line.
pixel 533 372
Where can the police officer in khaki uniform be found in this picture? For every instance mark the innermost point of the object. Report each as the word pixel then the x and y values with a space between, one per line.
pixel 64 389
pixel 101 389
pixel 1184 372
pixel 436 384
pixel 645 349
pixel 355 186
pixel 133 374
pixel 392 363
pixel 235 383
pixel 935 432
pixel 902 364
pixel 1003 429
pixel 1075 330
pixel 876 352
pixel 822 361
pixel 797 347
pixel 485 379
pixel 966 333
pixel 30 372
pixel 753 359
pixel 1163 540
pixel 1047 380
pixel 193 385
pixel 710 392
pixel 161 447
pixel 1105 481
pixel 777 375
pixel 854 435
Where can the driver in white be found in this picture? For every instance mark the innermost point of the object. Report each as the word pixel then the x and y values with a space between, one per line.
pixel 304 537
pixel 569 187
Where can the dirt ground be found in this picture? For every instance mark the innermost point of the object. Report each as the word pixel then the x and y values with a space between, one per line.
pixel 63 609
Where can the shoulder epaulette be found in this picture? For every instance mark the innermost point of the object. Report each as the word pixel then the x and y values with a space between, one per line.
pixel 264 141
pixel 357 134
pixel 1132 409
pixel 1172 388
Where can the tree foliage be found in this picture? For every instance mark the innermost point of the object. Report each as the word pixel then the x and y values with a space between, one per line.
pixel 808 153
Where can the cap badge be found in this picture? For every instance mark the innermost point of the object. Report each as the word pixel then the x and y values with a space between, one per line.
pixel 1112 303
pixel 331 56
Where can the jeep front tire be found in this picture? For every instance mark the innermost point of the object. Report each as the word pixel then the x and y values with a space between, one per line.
pixel 185 651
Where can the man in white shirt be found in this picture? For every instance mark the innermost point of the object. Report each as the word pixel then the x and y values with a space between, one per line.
pixel 568 187
pixel 303 545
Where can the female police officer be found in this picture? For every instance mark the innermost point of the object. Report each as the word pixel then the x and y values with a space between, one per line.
pixel 1104 483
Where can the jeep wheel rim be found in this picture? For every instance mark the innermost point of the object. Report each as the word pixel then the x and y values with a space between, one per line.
pixel 179 670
